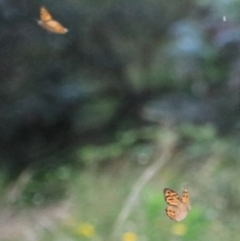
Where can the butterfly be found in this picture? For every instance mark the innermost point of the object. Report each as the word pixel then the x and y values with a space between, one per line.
pixel 178 207
pixel 46 21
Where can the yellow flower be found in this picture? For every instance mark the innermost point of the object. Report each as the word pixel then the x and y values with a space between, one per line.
pixel 129 236
pixel 85 229
pixel 179 229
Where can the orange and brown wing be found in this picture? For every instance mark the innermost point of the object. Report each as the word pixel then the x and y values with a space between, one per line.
pixel 171 212
pixel 178 206
pixel 177 213
pixel 45 15
pixel 49 24
pixel 54 27
pixel 171 197
pixel 185 196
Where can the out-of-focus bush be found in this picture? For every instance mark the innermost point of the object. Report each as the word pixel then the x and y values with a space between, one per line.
pixel 82 87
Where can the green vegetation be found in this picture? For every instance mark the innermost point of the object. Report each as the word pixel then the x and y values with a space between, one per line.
pixel 94 197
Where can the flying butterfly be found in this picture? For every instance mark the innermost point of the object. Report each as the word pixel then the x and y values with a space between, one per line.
pixel 46 21
pixel 178 207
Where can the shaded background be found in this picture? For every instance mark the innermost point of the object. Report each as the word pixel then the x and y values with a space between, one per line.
pixel 84 115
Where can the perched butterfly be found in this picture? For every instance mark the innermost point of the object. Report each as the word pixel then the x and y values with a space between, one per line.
pixel 178 207
pixel 50 24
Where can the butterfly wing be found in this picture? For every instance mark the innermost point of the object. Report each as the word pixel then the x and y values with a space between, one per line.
pixel 185 197
pixel 171 212
pixel 177 213
pixel 178 207
pixel 49 24
pixel 55 27
pixel 45 15
pixel 171 197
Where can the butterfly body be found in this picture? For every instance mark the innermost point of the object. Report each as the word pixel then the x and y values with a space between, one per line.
pixel 47 22
pixel 178 207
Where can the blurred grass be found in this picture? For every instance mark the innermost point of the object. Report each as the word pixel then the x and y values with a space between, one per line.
pixel 94 197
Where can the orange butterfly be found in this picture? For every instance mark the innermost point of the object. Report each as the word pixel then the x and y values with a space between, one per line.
pixel 178 207
pixel 48 23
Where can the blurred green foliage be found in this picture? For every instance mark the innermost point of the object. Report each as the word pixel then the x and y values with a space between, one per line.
pixel 58 91
pixel 207 163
